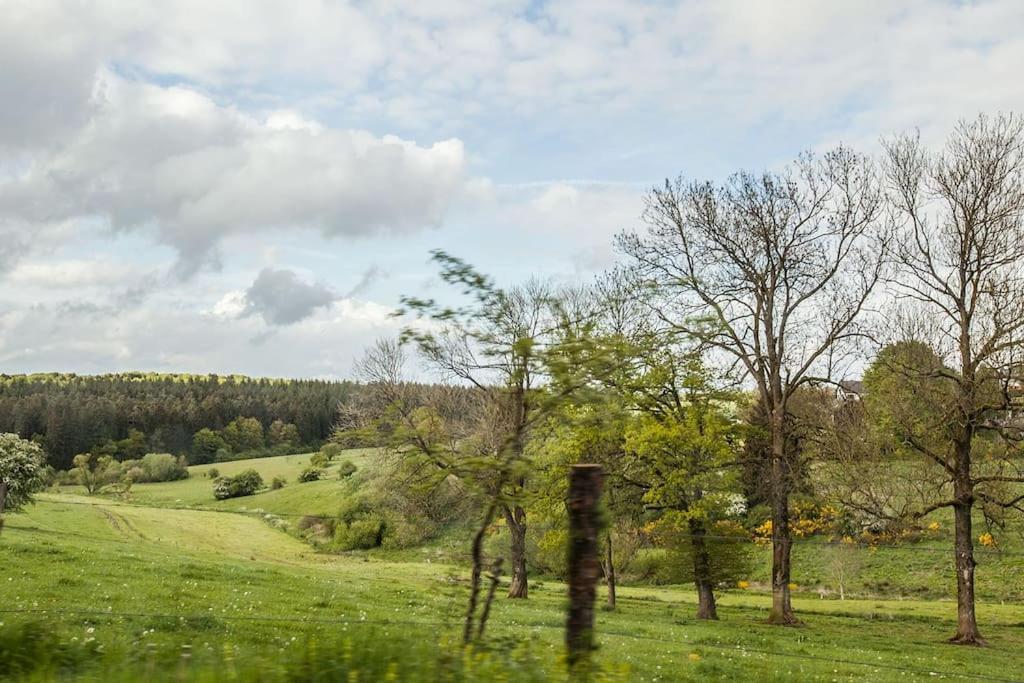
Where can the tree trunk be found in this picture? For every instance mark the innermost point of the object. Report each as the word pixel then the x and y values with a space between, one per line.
pixel 515 519
pixel 702 572
pixel 608 567
pixel 782 542
pixel 967 624
pixel 474 581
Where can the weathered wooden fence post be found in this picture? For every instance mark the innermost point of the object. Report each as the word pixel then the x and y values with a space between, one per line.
pixel 585 483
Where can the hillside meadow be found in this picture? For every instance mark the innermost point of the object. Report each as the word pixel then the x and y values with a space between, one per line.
pixel 151 588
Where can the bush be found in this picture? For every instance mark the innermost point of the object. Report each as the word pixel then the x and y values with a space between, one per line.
pixel 331 450
pixel 346 468
pixel 319 460
pixel 277 483
pixel 310 474
pixel 213 473
pixel 362 534
pixel 163 467
pixel 244 484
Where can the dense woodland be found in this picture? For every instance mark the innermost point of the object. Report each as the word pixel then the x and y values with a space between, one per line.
pixel 70 414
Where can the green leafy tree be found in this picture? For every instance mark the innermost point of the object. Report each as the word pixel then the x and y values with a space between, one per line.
pixel 591 429
pixel 91 471
pixel 22 472
pixel 205 444
pixel 505 344
pixel 244 434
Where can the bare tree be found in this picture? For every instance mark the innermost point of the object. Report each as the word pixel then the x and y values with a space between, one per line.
pixel 961 275
pixel 772 272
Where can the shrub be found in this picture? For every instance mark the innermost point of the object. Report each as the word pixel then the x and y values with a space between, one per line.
pixel 362 534
pixel 277 483
pixel 163 467
pixel 346 468
pixel 319 460
pixel 310 474
pixel 213 473
pixel 244 484
pixel 331 450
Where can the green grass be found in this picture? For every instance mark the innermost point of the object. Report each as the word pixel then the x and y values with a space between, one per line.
pixel 145 580
pixel 316 497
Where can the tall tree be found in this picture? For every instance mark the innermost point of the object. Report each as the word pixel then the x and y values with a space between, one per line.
pixel 960 265
pixel 772 273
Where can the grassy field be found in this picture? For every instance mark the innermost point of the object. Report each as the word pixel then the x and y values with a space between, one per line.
pixel 136 581
pixel 316 497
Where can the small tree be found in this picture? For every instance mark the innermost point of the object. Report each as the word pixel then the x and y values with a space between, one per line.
pixel 22 468
pixel 843 562
pixel 94 472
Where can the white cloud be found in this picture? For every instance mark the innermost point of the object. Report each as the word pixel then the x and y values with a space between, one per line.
pixel 73 273
pixel 233 130
pixel 171 160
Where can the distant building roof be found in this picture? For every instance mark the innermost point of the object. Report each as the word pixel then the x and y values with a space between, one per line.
pixel 852 386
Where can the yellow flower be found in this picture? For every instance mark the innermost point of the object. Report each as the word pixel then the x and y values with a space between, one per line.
pixel 987 540
pixel 694 657
pixel 934 526
pixel 743 584
pixel 793 586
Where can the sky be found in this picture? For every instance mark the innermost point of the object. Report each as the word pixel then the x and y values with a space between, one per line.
pixel 249 186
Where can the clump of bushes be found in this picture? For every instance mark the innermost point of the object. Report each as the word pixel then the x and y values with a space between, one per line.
pixel 311 473
pixel 361 525
pixel 162 467
pixel 96 473
pixel 319 460
pixel 243 484
pixel 346 468
pixel 277 483
pixel 213 473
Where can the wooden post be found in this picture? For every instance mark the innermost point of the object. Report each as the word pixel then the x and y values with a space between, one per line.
pixel 584 567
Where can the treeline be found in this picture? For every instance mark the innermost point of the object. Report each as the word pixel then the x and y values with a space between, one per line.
pixel 70 414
